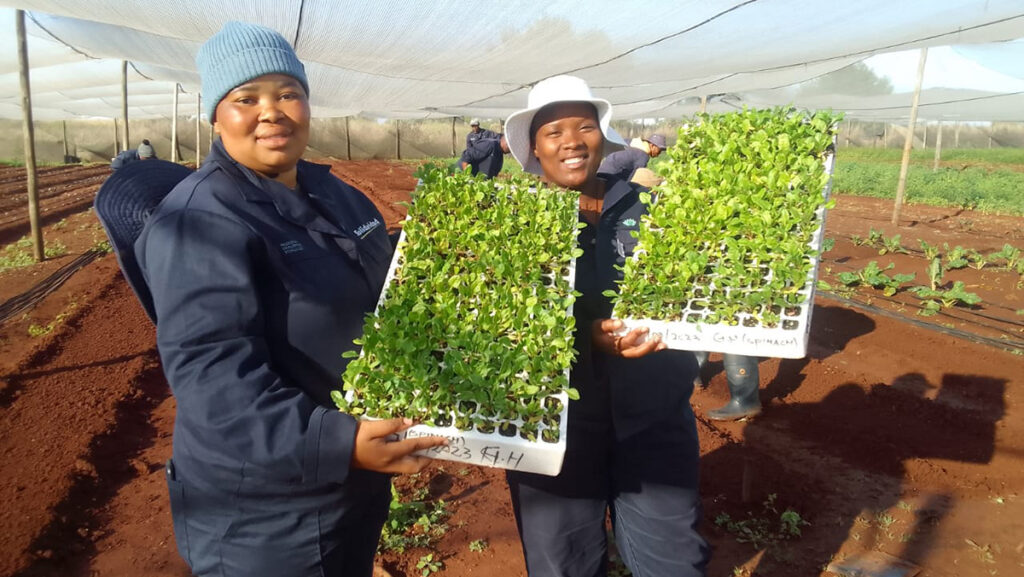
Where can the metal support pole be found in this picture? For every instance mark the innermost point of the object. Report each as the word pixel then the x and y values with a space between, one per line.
pixel 908 143
pixel 124 104
pixel 174 125
pixel 30 143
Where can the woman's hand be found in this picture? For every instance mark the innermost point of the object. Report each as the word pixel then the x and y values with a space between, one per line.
pixel 374 450
pixel 628 346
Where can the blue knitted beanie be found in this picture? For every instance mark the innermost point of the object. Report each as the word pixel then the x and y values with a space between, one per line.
pixel 239 53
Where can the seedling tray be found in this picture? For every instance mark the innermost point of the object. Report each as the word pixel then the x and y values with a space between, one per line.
pixel 472 334
pixel 746 335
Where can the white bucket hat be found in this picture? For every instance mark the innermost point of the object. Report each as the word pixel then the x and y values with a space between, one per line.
pixel 549 91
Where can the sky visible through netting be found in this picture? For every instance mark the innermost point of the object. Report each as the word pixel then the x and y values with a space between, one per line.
pixel 410 60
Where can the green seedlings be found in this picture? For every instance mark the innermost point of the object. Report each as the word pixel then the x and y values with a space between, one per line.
pixel 412 523
pixel 874 277
pixel 956 258
pixel 1010 254
pixel 934 300
pixel 734 221
pixel 478 545
pixel 475 329
pixel 766 530
pixel 976 260
pixel 930 251
pixel 427 565
pixel 828 244
pixel 935 272
pixel 891 245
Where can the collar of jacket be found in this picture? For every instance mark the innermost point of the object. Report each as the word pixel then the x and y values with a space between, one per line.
pixel 292 206
pixel 615 190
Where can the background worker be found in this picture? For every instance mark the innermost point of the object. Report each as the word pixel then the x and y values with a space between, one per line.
pixel 631 447
pixel 486 155
pixel 743 377
pixel 637 155
pixel 260 283
pixel 143 152
pixel 476 133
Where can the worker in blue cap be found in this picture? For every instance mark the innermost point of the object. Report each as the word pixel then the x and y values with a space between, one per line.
pixel 262 268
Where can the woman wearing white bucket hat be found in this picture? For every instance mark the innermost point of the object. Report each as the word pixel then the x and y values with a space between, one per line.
pixel 632 442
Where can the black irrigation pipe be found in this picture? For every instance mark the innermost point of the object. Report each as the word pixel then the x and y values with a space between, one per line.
pixel 1005 344
pixel 41 289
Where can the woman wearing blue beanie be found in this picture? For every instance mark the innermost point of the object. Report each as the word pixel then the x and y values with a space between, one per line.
pixel 262 267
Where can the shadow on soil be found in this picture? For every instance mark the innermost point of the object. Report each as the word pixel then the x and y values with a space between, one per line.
pixel 65 545
pixel 840 463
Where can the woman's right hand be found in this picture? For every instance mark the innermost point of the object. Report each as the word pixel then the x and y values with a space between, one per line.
pixel 375 451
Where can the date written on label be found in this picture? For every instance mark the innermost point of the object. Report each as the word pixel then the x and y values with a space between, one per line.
pixel 474 452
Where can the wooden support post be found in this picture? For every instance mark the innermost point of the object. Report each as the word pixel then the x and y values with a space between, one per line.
pixel 199 128
pixel 938 149
pixel 30 143
pixel 64 138
pixel 908 143
pixel 454 152
pixel 398 138
pixel 885 135
pixel 116 146
pixel 924 138
pixel 124 104
pixel 348 141
pixel 956 137
pixel 174 125
pixel 703 104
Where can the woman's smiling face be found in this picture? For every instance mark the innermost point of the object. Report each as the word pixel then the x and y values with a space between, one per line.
pixel 264 123
pixel 568 142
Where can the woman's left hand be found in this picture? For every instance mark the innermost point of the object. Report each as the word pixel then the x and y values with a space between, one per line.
pixel 628 346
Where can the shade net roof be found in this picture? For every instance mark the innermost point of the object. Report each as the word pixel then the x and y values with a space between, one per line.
pixel 401 59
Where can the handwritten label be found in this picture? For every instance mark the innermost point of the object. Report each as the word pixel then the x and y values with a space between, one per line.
pixel 460 448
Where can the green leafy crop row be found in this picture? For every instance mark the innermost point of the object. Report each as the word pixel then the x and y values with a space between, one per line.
pixel 476 328
pixel 731 228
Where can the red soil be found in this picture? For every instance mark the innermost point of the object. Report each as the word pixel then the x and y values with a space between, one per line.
pixel 888 436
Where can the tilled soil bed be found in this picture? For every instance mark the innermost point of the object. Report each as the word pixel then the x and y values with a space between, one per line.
pixel 897 434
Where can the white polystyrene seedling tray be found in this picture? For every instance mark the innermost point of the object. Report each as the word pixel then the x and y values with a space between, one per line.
pixel 494 449
pixel 787 340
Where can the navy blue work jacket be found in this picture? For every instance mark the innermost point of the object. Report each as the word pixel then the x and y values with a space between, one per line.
pixel 486 156
pixel 638 393
pixel 258 291
pixel 624 162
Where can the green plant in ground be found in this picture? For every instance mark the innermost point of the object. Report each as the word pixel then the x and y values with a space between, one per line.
pixel 891 245
pixel 738 211
pixel 935 272
pixel 412 523
pixel 827 244
pixel 764 530
pixel 483 290
pixel 956 258
pixel 478 545
pixel 873 276
pixel 930 251
pixel 19 253
pixel 427 565
pixel 35 330
pixel 933 300
pixel 976 260
pixel 1010 254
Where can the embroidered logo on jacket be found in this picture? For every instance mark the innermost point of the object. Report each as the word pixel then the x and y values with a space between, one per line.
pixel 291 246
pixel 366 228
pixel 629 222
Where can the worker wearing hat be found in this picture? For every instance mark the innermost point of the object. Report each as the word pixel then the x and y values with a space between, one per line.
pixel 476 133
pixel 262 268
pixel 632 449
pixel 625 162
pixel 143 152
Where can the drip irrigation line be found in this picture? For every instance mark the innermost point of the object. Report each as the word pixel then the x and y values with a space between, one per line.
pixel 41 289
pixel 1005 344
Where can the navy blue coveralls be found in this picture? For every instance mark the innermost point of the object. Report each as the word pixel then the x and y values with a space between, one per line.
pixel 632 441
pixel 258 291
pixel 624 163
pixel 483 133
pixel 485 155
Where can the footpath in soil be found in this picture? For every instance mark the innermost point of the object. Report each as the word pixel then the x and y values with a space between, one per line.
pixel 888 437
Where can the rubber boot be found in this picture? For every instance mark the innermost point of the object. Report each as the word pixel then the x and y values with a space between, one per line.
pixel 702 359
pixel 745 400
